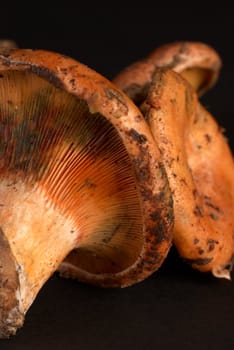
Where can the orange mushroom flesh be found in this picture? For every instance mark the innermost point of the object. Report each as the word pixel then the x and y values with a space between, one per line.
pixel 200 169
pixel 197 62
pixel 80 173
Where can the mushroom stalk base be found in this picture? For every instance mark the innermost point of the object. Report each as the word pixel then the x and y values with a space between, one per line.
pixel 34 239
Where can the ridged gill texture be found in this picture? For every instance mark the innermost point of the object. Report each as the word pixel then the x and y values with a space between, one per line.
pixel 51 141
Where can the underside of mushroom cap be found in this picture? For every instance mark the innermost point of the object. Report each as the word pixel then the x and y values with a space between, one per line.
pixel 197 62
pixel 80 173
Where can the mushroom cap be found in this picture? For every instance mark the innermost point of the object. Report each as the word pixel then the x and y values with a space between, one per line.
pixel 200 169
pixel 198 62
pixel 7 44
pixel 81 178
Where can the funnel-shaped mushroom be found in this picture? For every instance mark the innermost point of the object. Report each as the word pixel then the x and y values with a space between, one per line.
pixel 197 62
pixel 80 176
pixel 200 169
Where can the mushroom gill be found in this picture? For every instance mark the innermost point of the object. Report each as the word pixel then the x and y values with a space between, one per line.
pixel 54 149
pixel 80 178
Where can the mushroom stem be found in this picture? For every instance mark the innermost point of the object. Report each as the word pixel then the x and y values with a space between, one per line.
pixel 38 238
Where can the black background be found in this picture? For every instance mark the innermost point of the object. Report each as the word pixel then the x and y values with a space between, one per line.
pixel 176 307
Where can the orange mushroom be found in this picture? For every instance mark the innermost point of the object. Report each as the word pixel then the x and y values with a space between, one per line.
pixel 200 169
pixel 197 62
pixel 195 153
pixel 81 178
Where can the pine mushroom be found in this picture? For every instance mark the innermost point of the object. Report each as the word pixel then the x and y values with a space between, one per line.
pixel 81 179
pixel 197 62
pixel 200 169
pixel 196 155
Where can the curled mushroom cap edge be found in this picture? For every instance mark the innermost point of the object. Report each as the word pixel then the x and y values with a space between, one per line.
pixel 63 179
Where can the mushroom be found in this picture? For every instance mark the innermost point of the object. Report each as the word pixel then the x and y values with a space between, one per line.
pixel 197 62
pixel 200 168
pixel 82 185
pixel 193 147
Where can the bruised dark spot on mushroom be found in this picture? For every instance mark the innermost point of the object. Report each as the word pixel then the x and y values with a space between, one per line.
pixel 208 138
pixel 170 160
pixel 139 138
pixel 196 118
pixel 73 83
pixel 86 184
pixel 161 170
pixel 160 195
pixel 201 251
pixel 183 180
pixel 170 213
pixel 114 94
pixel 159 232
pixel 173 100
pixel 74 66
pixel 198 211
pixel 160 229
pixel 63 70
pixel 146 194
pixel 199 261
pixel 213 206
pixel 138 118
pixel 176 59
pixel 142 173
pixel 211 244
pixel 196 241
pixel 155 216
pixel 152 258
pixel 46 74
pixel 195 193
pixel 206 197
